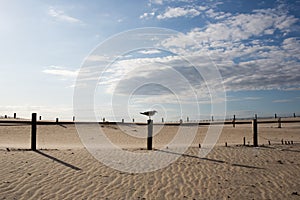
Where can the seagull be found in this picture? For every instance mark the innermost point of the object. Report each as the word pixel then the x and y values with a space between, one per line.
pixel 149 113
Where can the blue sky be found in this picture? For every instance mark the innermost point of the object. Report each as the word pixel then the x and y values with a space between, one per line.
pixel 255 46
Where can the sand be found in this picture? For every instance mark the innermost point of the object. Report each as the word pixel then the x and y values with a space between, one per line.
pixel 63 169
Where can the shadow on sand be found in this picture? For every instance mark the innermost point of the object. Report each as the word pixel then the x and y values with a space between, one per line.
pixel 57 160
pixel 209 159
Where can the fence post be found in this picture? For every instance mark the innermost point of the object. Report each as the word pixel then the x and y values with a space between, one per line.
pixel 33 131
pixel 233 121
pixel 244 141
pixel 162 120
pixel 73 118
pixel 40 118
pixel 150 131
pixel 212 118
pixel 279 122
pixel 254 129
pixel 122 120
pixel 5 116
pixel 275 116
pixel 294 114
pixel 15 115
pixel 255 116
pixel 133 120
pixel 57 120
pixel 187 119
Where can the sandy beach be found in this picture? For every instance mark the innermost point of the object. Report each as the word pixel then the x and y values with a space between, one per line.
pixel 62 168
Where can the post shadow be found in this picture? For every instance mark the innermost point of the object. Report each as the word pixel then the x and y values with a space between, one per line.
pixel 208 159
pixel 57 160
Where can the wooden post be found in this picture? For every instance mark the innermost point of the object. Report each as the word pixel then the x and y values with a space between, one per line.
pixel 225 144
pixel 133 120
pixel 279 122
pixel 73 118
pixel 40 118
pixel 281 141
pixel 212 118
pixel 187 119
pixel 5 116
pixel 103 119
pixel 33 131
pixel 244 141
pixel 233 121
pixel 162 120
pixel 255 116
pixel 122 120
pixel 150 132
pixel 254 129
pixel 15 115
pixel 294 114
pixel 275 116
pixel 269 142
pixel 180 121
pixel 57 120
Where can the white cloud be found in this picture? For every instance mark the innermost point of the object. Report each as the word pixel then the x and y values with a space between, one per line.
pixel 159 2
pixel 152 51
pixel 61 71
pixel 239 45
pixel 282 101
pixel 252 98
pixel 95 58
pixel 61 16
pixel 178 12
pixel 239 27
pixel 147 15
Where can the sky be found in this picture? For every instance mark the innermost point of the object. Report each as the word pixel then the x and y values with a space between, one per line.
pixel 116 58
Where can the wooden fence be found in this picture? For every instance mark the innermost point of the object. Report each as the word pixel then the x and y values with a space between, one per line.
pixel 34 122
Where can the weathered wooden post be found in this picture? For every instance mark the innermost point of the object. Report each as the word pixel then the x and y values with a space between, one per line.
pixel 57 120
pixel 150 133
pixel 33 131
pixel 255 116
pixel 5 116
pixel 244 141
pixel 294 114
pixel 162 120
pixel 73 118
pixel 233 121
pixel 40 118
pixel 279 122
pixel 122 120
pixel 187 119
pixel 212 118
pixel 226 144
pixel 133 120
pixel 254 129
pixel 103 119
pixel 15 115
pixel 275 116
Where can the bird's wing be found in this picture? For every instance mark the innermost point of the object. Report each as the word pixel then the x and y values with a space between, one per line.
pixel 144 113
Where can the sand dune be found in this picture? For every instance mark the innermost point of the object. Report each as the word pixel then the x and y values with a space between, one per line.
pixel 66 170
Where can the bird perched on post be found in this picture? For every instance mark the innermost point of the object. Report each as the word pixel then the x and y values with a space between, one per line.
pixel 149 113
